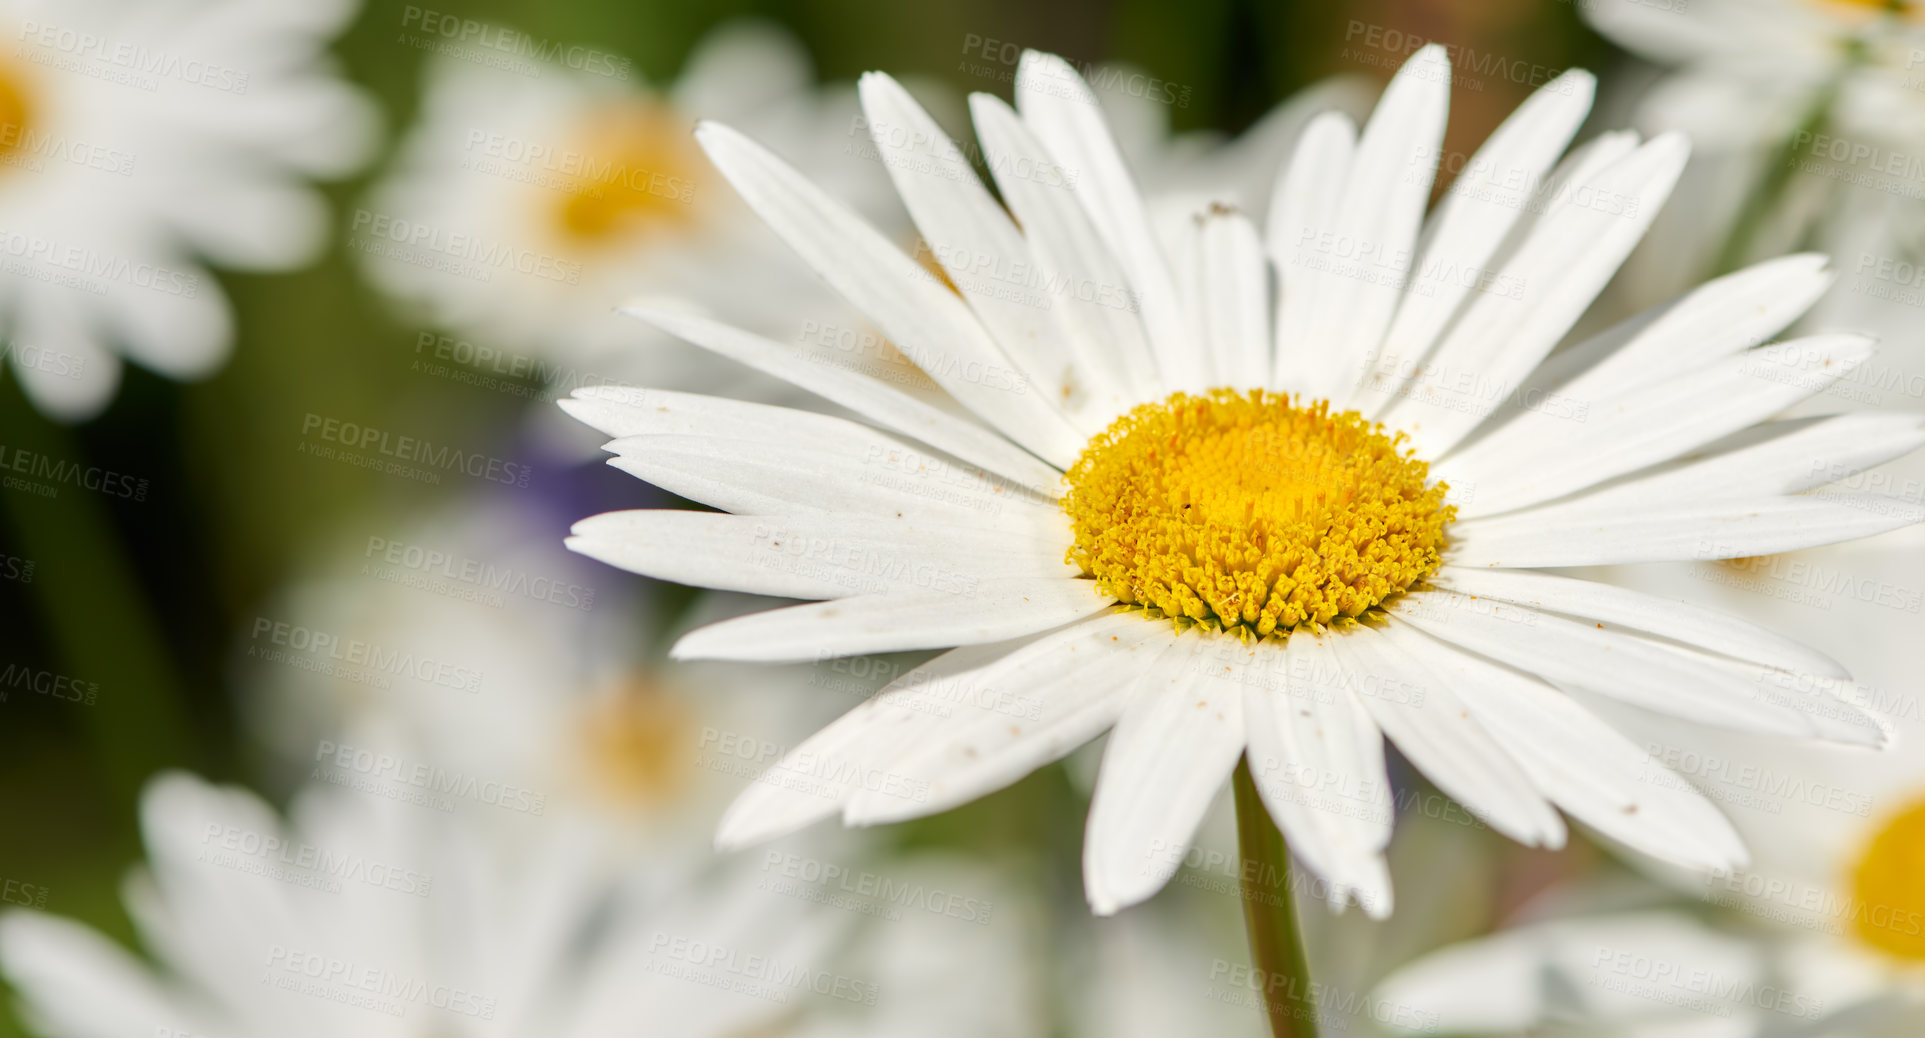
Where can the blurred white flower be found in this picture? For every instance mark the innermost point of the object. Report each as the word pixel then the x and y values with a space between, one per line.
pixel 139 140
pixel 470 635
pixel 523 208
pixel 366 915
pixel 1805 115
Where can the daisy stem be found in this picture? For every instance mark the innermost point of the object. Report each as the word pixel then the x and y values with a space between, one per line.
pixel 1270 914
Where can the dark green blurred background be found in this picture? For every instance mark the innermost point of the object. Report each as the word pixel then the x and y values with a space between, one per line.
pixel 144 598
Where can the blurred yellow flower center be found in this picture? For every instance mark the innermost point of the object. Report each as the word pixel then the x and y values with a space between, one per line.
pixel 1246 512
pixel 635 171
pixel 639 744
pixel 16 109
pixel 1889 886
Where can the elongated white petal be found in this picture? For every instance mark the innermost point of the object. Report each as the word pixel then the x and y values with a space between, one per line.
pixel 1441 736
pixel 1583 532
pixel 73 980
pixel 812 781
pixel 1233 286
pixel 972 238
pixel 763 477
pixel 1301 211
pixel 1785 457
pixel 1317 761
pixel 969 612
pixel 1002 722
pixel 812 556
pixel 863 394
pixel 1564 262
pixel 1063 112
pixel 1626 667
pixel 1543 456
pixel 1373 241
pixel 922 317
pixel 1678 621
pixel 1720 317
pixel 1166 760
pixel 1582 764
pixel 1482 205
pixel 1091 294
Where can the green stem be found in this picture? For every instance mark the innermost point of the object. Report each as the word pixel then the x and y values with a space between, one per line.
pixel 1270 914
pixel 1768 192
pixel 94 612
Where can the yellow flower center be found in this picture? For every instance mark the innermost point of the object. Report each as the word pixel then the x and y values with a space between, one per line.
pixel 636 171
pixel 1249 513
pixel 16 109
pixel 1889 886
pixel 639 744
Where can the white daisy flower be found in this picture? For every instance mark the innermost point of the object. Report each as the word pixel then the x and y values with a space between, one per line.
pixel 367 916
pixel 522 210
pixel 138 141
pixel 1152 510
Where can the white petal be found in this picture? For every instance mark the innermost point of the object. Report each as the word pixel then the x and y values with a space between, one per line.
pixel 971 612
pixel 1783 457
pixel 1582 764
pixel 72 980
pixel 924 319
pixel 1092 295
pixel 1434 728
pixel 1233 282
pixel 1304 203
pixel 1678 621
pixel 1063 113
pixel 1006 720
pixel 1542 456
pixel 812 556
pixel 1481 206
pixel 1317 761
pixel 812 781
pixel 1564 262
pixel 1373 238
pixel 1718 318
pixel 870 397
pixel 1635 670
pixel 1584 532
pixel 773 477
pixel 1165 762
pixel 972 238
